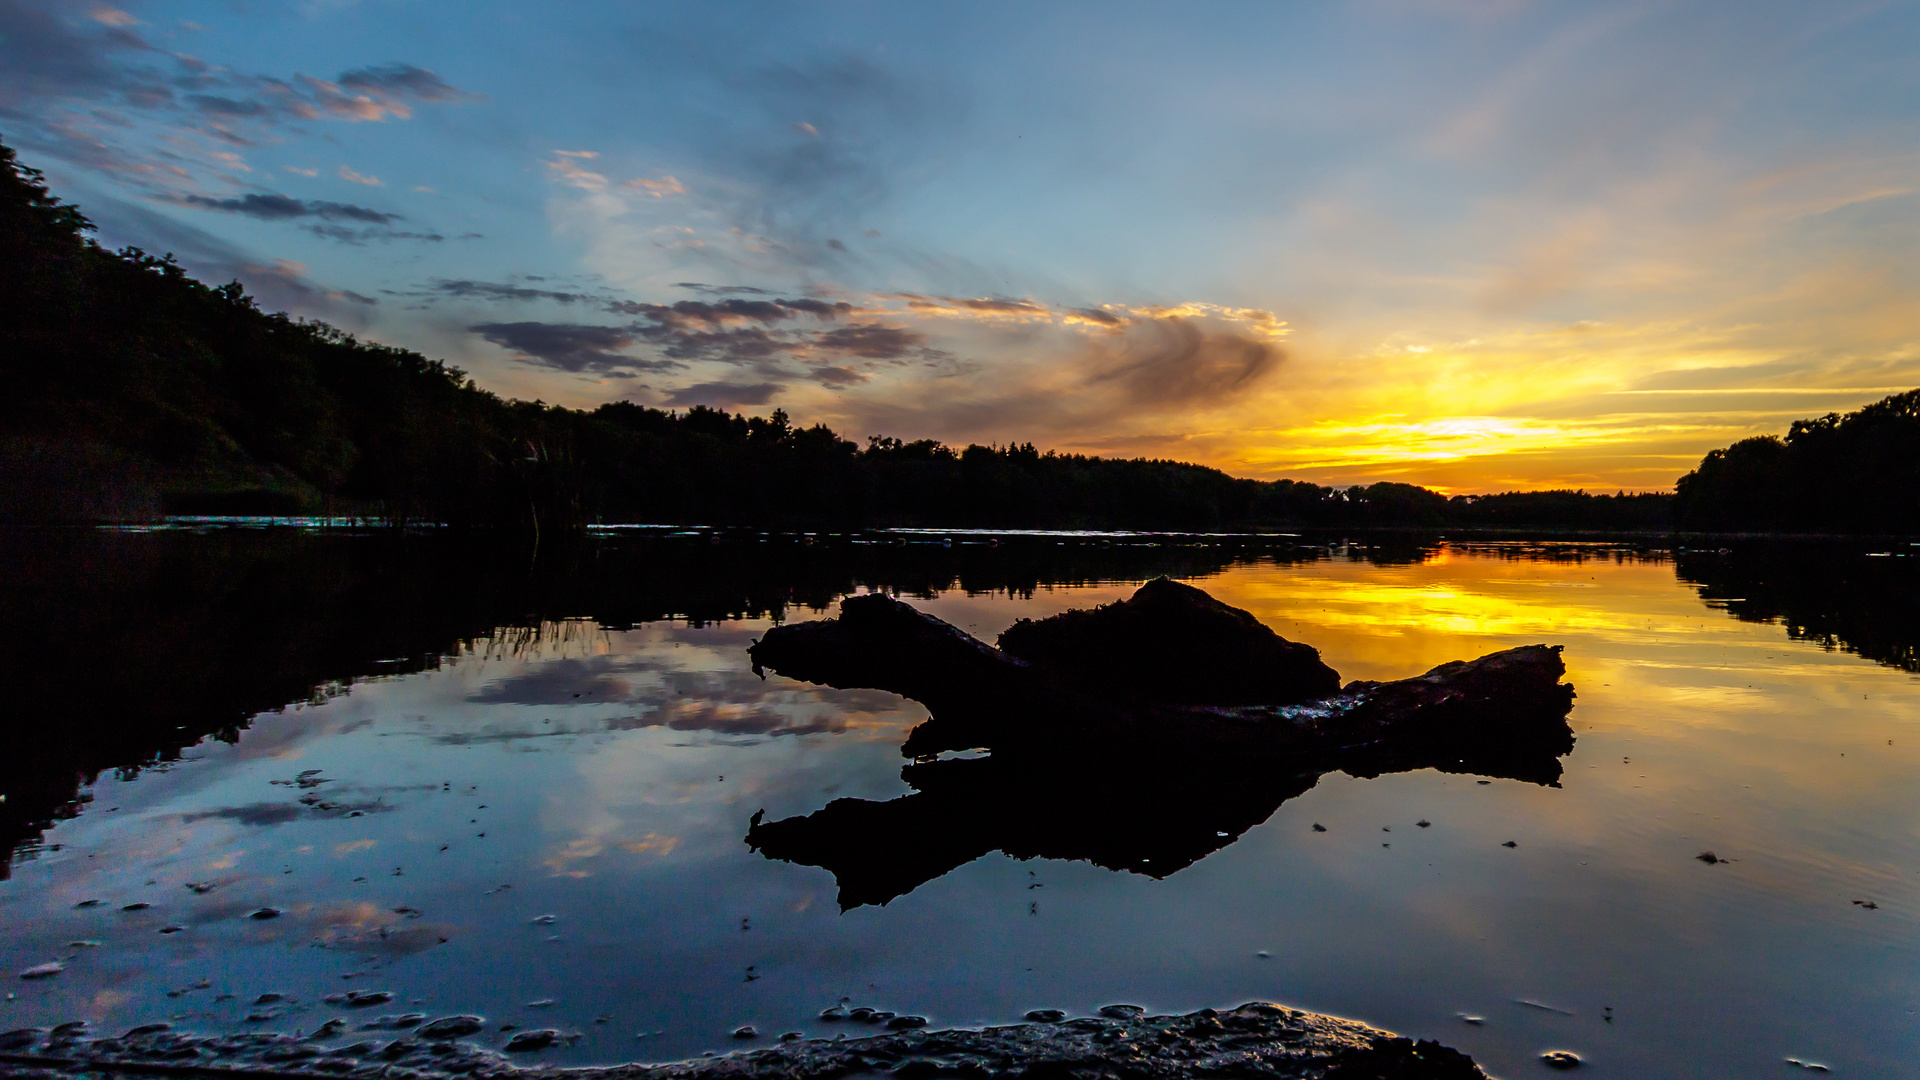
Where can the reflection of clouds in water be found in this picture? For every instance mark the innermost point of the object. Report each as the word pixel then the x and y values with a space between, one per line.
pixel 566 681
pixel 726 718
pixel 689 679
pixel 260 813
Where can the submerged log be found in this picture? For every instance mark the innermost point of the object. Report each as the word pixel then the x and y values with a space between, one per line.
pixel 1127 781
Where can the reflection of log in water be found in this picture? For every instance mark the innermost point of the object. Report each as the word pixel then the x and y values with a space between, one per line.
pixel 1115 777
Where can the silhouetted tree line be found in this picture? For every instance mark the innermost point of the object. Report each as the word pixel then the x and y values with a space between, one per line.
pixel 1858 473
pixel 128 389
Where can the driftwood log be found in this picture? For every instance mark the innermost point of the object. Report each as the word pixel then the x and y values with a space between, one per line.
pixel 1093 757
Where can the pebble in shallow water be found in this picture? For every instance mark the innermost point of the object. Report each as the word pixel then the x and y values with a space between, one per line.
pixel 1256 1039
pixel 1561 1059
pixel 452 1027
pixel 44 971
pixel 532 1040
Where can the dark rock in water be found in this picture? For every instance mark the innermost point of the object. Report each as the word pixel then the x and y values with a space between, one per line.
pixel 746 1031
pixel 1511 843
pixel 1561 1059
pixel 526 1041
pixel 1046 1016
pixel 834 1012
pixel 1190 779
pixel 265 913
pixel 147 1029
pixel 141 905
pixel 1709 858
pixel 452 1027
pixel 791 1036
pixel 44 971
pixel 1172 643
pixel 906 1023
pixel 1122 1012
pixel 21 1038
pixel 1255 1040
pixel 88 903
pixel 268 999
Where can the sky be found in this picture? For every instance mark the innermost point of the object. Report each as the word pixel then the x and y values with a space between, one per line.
pixel 1479 245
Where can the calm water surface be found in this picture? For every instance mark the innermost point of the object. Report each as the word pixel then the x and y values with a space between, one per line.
pixel 542 820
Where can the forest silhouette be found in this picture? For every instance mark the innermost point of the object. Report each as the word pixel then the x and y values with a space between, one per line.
pixel 129 390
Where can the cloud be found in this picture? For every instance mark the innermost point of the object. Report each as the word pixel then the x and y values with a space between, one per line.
pixel 1174 361
pixel 987 304
pixel 566 168
pixel 355 178
pixel 571 347
pixel 335 221
pixel 720 290
pixel 753 331
pixel 403 82
pixel 680 315
pixel 833 375
pixel 360 236
pixel 272 207
pixel 872 340
pixel 659 189
pixel 723 394
pixel 54 57
pixel 488 290
pixel 375 94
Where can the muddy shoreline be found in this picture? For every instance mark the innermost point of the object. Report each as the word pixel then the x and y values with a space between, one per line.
pixel 1255 1040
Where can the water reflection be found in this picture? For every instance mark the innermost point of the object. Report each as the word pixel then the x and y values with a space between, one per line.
pixel 437 816
pixel 1835 596
pixel 209 629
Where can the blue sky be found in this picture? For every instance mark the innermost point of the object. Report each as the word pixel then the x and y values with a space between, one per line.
pixel 1478 244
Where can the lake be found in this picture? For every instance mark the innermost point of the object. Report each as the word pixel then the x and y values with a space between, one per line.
pixel 487 782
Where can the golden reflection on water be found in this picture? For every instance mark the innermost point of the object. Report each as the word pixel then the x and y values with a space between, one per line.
pixel 612 773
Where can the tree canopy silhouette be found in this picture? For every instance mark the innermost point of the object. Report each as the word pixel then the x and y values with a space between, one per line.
pixel 1857 473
